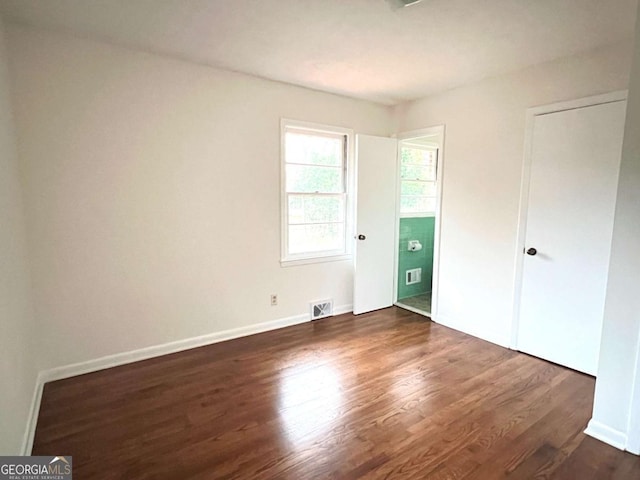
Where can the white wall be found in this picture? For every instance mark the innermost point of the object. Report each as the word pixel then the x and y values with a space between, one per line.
pixel 17 366
pixel 152 195
pixel 484 139
pixel 615 417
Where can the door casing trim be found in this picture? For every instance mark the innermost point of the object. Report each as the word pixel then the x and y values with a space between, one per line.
pixel 439 131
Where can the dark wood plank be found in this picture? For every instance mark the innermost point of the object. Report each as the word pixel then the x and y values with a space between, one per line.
pixel 383 395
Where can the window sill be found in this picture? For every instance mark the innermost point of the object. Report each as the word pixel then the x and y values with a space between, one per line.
pixel 417 215
pixel 310 260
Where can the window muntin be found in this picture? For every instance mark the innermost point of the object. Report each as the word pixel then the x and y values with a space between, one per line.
pixel 314 192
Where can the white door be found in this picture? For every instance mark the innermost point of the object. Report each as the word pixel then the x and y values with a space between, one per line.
pixel 375 222
pixel 575 160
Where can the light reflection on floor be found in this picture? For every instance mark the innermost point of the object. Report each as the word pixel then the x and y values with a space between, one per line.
pixel 407 383
pixel 310 400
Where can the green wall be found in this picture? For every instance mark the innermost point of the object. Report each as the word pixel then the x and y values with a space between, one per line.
pixel 421 229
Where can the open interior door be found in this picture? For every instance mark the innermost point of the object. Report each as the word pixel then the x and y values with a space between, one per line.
pixel 375 222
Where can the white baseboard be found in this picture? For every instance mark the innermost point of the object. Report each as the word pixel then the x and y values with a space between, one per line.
pixel 606 434
pixel 464 328
pixel 633 445
pixel 339 310
pixel 124 358
pixel 32 419
pixel 633 437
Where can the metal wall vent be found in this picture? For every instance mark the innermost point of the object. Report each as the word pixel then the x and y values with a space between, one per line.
pixel 321 309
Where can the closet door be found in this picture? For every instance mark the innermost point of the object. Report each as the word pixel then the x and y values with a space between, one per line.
pixel 575 160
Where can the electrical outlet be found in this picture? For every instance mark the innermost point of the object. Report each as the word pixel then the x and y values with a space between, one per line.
pixel 274 299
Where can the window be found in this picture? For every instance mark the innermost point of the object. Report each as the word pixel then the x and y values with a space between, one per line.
pixel 314 196
pixel 418 170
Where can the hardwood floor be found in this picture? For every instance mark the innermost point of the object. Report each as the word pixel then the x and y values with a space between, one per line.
pixel 384 395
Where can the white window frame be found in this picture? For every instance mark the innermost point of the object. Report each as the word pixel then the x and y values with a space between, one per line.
pixel 431 148
pixel 287 259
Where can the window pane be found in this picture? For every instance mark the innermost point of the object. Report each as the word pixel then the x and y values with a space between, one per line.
pixel 418 156
pixel 430 204
pixel 316 238
pixel 315 209
pixel 310 179
pixel 417 204
pixel 429 173
pixel 313 149
pixel 417 172
pixel 418 188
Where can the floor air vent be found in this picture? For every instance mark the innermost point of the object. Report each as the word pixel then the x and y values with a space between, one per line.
pixel 321 309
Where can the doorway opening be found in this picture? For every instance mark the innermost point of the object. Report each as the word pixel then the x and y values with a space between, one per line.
pixel 420 158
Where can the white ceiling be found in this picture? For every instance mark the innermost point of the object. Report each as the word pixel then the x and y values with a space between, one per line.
pixel 360 48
